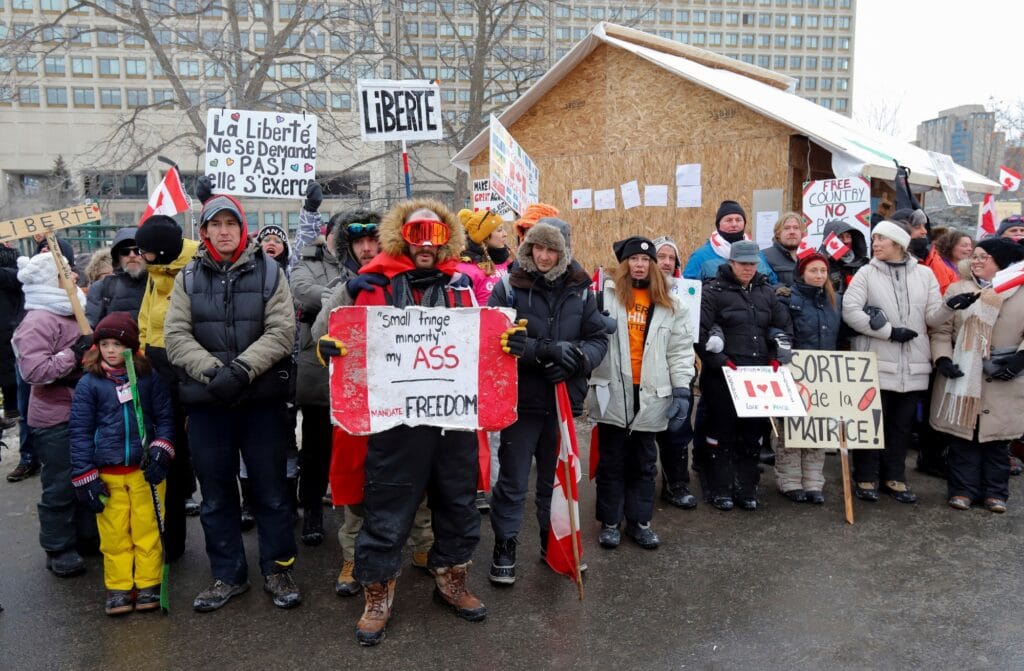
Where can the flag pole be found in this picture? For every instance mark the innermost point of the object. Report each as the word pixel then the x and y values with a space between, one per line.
pixel 563 395
pixel 405 170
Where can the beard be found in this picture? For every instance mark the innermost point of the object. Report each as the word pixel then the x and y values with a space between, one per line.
pixel 136 272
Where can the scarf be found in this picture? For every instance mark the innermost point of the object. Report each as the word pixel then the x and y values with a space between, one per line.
pixel 961 398
pixel 117 375
pixel 50 298
pixel 721 245
pixel 431 283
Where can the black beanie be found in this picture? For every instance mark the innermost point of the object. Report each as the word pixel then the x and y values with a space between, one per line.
pixel 636 245
pixel 1003 251
pixel 162 236
pixel 730 207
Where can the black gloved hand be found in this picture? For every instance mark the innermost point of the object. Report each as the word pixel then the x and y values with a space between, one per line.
pixel 902 335
pixel 157 462
pixel 783 345
pixel 204 188
pixel 513 339
pixel 963 301
pixel 365 282
pixel 946 367
pixel 1012 366
pixel 229 382
pixel 90 491
pixel 314 196
pixel 610 325
pixel 679 409
pixel 81 346
pixel 876 317
pixel 554 373
pixel 562 353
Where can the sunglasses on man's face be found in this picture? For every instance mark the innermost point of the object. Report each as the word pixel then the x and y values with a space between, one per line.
pixel 128 251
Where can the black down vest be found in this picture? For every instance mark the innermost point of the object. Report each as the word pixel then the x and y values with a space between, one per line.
pixel 227 317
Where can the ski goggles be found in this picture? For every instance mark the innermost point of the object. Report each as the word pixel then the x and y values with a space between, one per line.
pixel 426 232
pixel 357 228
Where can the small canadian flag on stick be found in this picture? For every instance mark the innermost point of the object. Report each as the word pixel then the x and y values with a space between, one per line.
pixel 805 248
pixel 1009 178
pixel 987 225
pixel 835 246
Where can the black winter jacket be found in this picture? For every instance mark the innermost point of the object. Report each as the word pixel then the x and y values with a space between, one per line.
pixel 745 316
pixel 816 323
pixel 565 309
pixel 12 309
pixel 119 292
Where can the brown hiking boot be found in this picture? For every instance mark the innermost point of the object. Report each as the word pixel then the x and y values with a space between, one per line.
pixel 379 597
pixel 450 589
pixel 346 584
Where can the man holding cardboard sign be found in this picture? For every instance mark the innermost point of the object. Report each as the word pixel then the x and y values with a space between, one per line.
pixel 420 241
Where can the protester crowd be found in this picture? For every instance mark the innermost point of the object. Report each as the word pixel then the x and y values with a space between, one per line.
pixel 205 355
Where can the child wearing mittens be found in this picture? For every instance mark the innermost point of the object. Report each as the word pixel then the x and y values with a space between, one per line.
pixel 112 469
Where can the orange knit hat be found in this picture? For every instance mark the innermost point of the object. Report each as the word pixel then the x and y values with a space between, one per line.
pixel 532 215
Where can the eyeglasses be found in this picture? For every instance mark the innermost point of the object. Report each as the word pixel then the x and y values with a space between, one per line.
pixel 980 258
pixel 128 251
pixel 423 232
pixel 359 229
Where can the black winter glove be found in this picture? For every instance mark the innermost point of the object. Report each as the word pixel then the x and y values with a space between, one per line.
pixel 81 346
pixel 962 301
pixel 228 382
pixel 946 367
pixel 204 188
pixel 554 373
pixel 513 340
pixel 154 467
pixel 610 325
pixel 679 410
pixel 876 317
pixel 561 353
pixel 314 196
pixel 902 335
pixel 364 283
pixel 89 493
pixel 1012 367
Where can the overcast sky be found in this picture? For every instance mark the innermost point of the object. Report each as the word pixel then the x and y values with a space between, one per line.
pixel 930 55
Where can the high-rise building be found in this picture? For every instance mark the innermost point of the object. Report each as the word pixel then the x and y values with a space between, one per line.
pixel 86 73
pixel 968 134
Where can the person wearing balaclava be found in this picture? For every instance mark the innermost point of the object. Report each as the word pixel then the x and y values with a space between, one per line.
pixel 730 227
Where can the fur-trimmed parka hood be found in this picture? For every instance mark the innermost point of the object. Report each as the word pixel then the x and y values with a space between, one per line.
pixel 548 236
pixel 391 241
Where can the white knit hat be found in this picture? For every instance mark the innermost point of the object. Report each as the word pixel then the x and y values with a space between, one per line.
pixel 893 231
pixel 38 270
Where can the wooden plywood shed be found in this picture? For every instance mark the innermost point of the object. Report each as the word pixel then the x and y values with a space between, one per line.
pixel 624 105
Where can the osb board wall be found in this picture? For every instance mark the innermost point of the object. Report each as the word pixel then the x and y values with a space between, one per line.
pixel 616 118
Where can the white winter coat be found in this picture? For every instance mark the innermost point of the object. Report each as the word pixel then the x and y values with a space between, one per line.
pixel 667 364
pixel 909 295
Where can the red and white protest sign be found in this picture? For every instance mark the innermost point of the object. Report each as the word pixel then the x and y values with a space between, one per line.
pixel 1009 178
pixel 758 391
pixel 421 367
pixel 847 199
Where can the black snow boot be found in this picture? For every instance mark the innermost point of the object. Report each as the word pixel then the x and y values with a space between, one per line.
pixel 313 525
pixel 503 562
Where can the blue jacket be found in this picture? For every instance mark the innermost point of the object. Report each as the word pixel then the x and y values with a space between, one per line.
pixel 104 432
pixel 704 262
pixel 816 323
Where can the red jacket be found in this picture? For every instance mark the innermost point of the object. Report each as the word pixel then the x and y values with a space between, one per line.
pixel 943 273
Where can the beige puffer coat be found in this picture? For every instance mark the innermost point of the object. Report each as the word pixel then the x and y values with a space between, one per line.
pixel 1002 403
pixel 909 295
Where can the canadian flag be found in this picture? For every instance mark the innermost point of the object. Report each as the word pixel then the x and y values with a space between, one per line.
pixel 1009 178
pixel 597 281
pixel 987 224
pixel 169 198
pixel 561 555
pixel 805 248
pixel 835 246
pixel 1009 277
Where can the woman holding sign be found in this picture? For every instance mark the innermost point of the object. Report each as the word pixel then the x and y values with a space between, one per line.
pixel 908 295
pixel 979 393
pixel 642 387
pixel 816 311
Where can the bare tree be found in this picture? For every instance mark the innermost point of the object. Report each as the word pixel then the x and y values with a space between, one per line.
pixel 883 115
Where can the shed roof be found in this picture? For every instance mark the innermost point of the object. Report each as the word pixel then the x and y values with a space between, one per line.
pixel 856 149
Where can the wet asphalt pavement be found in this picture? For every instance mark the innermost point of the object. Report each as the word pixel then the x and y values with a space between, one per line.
pixel 791 586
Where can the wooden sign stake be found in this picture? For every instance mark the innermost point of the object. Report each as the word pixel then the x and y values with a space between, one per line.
pixel 844 459
pixel 64 277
